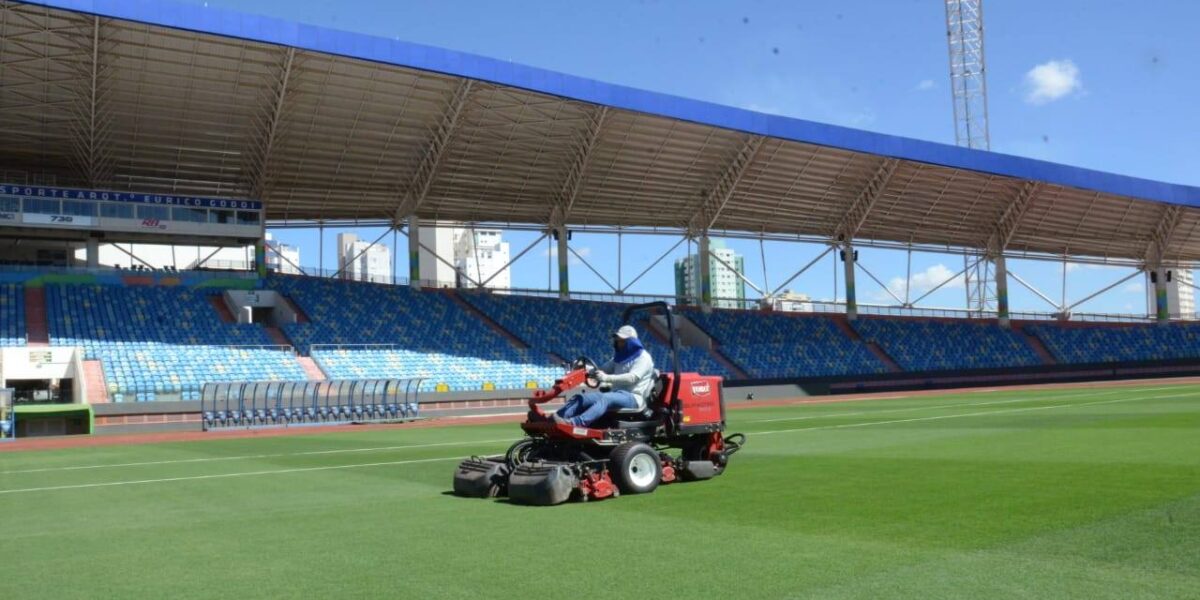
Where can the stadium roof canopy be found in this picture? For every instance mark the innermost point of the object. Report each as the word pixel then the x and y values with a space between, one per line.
pixel 320 124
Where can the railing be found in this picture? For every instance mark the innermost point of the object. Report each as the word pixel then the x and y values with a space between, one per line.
pixel 276 347
pixel 809 306
pixel 584 296
pixel 326 347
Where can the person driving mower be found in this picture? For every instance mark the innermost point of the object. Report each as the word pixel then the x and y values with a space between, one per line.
pixel 626 381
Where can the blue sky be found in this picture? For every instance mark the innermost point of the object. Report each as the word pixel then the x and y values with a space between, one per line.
pixel 1107 85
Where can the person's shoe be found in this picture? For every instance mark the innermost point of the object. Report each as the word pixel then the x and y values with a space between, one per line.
pixel 558 419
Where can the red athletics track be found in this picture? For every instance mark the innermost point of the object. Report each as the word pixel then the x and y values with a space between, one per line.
pixel 189 436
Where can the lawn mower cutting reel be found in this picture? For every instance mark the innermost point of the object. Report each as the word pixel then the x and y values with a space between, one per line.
pixel 678 436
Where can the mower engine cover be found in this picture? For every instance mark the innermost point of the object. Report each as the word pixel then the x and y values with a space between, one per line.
pixel 479 477
pixel 542 483
pixel 702 403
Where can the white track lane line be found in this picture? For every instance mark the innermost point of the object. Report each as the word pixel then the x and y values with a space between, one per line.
pixel 251 457
pixel 936 406
pixel 973 414
pixel 227 475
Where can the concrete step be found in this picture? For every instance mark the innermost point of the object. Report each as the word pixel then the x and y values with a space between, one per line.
pixel 37 331
pixel 97 386
pixel 1038 347
pixel 883 357
pixel 844 324
pixel 277 335
pixel 729 364
pixel 218 303
pixel 301 316
pixel 470 309
pixel 311 369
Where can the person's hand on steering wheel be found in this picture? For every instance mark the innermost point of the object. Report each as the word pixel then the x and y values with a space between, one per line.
pixel 593 372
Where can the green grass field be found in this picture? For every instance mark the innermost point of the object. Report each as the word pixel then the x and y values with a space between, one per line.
pixel 1055 493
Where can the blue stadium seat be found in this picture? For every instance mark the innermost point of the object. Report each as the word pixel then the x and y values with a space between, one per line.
pixel 161 340
pixel 935 345
pixel 428 335
pixel 571 329
pixel 1094 343
pixel 12 315
pixel 771 346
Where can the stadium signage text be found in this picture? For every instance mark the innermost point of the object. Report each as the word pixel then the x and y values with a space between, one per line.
pixel 68 220
pixel 26 191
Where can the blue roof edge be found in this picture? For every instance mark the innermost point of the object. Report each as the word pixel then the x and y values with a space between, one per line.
pixel 233 24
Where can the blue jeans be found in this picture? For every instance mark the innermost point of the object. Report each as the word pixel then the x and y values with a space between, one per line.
pixel 583 409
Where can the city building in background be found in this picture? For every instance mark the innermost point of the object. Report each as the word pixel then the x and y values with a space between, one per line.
pixel 790 301
pixel 358 260
pixel 434 272
pixel 281 257
pixel 728 289
pixel 477 255
pixel 480 255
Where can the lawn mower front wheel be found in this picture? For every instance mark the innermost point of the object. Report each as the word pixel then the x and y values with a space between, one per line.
pixel 635 468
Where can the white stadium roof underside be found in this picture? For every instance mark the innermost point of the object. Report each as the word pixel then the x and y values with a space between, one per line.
pixel 324 125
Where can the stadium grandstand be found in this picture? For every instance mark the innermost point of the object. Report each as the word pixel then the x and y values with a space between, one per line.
pixel 181 124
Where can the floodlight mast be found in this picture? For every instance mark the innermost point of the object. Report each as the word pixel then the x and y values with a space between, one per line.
pixel 968 89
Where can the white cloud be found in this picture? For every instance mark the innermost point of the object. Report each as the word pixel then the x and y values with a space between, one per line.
pixel 584 251
pixel 925 85
pixel 1134 288
pixel 1072 267
pixel 1051 81
pixel 921 282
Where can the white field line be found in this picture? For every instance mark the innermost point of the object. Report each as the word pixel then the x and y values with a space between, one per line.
pixel 972 414
pixel 468 443
pixel 937 406
pixel 446 458
pixel 252 456
pixel 226 475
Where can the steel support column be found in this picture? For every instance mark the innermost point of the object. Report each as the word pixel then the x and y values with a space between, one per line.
pixel 705 276
pixel 414 252
pixel 1001 275
pixel 93 253
pixel 851 297
pixel 1161 304
pixel 564 272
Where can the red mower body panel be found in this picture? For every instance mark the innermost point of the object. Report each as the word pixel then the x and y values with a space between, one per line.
pixel 700 400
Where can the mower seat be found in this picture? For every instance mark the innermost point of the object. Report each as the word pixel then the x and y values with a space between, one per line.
pixel 645 412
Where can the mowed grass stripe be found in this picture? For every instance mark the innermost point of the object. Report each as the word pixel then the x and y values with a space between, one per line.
pixel 837 408
pixel 249 457
pixel 76 486
pixel 977 413
pixel 1085 501
pixel 931 406
pixel 228 475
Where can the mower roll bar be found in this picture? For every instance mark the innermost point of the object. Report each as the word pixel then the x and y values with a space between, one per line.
pixel 674 341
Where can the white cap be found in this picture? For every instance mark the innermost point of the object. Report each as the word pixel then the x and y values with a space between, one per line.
pixel 626 332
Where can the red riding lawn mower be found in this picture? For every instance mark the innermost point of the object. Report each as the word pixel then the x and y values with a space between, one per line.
pixel 627 451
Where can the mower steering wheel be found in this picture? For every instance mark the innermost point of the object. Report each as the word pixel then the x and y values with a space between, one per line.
pixel 589 365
